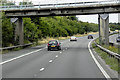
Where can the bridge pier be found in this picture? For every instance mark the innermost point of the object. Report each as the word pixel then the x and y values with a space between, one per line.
pixel 103 29
pixel 20 29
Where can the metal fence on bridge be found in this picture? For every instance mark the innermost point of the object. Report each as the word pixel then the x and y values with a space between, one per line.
pixel 52 5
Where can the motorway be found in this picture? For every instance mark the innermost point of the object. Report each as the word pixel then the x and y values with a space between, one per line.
pixel 112 39
pixel 73 61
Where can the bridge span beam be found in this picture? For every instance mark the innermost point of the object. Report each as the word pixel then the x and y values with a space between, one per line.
pixel 20 30
pixel 103 29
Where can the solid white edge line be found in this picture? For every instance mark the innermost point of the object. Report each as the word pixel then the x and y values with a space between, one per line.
pixel 20 56
pixel 98 64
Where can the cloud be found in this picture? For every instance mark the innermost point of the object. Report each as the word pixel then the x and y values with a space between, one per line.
pixel 113 18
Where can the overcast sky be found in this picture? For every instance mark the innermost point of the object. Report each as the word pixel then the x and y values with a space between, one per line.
pixel 113 18
pixel 86 18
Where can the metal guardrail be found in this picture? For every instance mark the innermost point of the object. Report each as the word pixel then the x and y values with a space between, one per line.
pixel 115 55
pixel 114 44
pixel 12 7
pixel 8 48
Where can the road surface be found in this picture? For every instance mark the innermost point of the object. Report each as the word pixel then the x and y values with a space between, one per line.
pixel 112 39
pixel 73 61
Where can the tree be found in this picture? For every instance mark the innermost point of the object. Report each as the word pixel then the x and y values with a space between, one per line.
pixel 7 32
pixel 25 3
pixel 36 28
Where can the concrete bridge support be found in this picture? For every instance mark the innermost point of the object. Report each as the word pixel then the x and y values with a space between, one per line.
pixel 20 29
pixel 103 29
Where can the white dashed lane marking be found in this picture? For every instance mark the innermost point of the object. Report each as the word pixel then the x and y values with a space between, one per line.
pixel 50 61
pixel 42 69
pixel 56 56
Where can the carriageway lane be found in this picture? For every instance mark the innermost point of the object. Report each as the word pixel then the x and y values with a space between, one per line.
pixel 32 58
pixel 73 61
pixel 14 54
pixel 112 39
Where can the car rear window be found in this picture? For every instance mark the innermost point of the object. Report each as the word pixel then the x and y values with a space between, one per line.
pixel 73 37
pixel 89 35
pixel 52 42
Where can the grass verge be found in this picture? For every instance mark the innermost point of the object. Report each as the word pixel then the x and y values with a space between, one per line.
pixel 112 62
pixel 110 47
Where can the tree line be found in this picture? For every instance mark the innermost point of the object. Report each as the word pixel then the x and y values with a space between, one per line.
pixel 36 28
pixel 114 26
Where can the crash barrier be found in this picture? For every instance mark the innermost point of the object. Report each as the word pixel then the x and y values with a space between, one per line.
pixel 110 53
pixel 10 48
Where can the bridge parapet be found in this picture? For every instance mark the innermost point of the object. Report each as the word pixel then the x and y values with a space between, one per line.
pixel 64 11
pixel 83 3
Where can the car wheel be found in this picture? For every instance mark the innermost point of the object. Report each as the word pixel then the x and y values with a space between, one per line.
pixel 48 49
pixel 60 48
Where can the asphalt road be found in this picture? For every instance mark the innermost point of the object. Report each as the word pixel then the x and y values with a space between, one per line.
pixel 73 61
pixel 112 39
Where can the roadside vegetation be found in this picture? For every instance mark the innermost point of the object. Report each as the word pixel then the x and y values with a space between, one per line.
pixel 47 39
pixel 37 29
pixel 112 62
pixel 40 28
pixel 114 26
pixel 110 47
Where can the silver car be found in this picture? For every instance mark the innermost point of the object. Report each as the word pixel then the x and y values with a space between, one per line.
pixel 73 38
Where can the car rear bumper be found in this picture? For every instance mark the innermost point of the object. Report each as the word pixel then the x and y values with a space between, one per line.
pixel 53 48
pixel 73 40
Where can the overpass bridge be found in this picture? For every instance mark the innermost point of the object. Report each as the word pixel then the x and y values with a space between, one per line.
pixel 103 8
pixel 64 9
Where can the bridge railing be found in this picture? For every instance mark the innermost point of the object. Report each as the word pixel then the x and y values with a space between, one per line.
pixel 11 7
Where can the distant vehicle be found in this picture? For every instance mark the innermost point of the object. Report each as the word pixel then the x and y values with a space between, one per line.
pixel 118 39
pixel 73 38
pixel 114 31
pixel 90 37
pixel 54 44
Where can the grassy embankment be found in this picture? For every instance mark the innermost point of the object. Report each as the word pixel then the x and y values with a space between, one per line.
pixel 46 40
pixel 112 62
